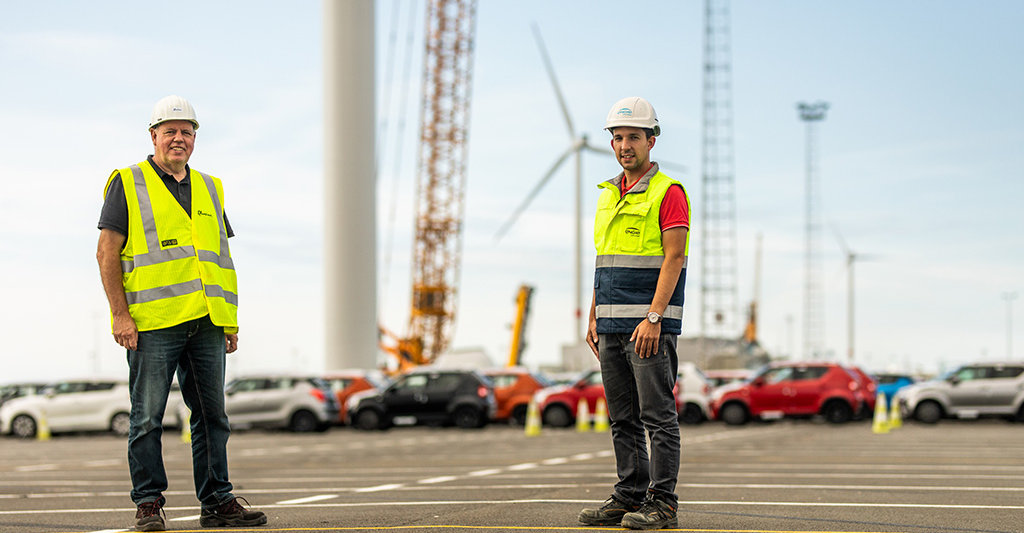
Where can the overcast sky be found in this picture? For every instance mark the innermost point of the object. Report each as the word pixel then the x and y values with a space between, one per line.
pixel 920 164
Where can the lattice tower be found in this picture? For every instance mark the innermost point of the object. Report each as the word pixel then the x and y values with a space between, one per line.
pixel 814 298
pixel 441 181
pixel 719 303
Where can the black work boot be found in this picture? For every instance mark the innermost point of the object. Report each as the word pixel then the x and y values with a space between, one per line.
pixel 609 514
pixel 231 513
pixel 149 517
pixel 655 513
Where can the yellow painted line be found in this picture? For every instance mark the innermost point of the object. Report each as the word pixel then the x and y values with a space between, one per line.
pixel 509 528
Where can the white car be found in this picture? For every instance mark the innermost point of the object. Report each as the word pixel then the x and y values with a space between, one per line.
pixel 77 405
pixel 300 403
pixel 692 392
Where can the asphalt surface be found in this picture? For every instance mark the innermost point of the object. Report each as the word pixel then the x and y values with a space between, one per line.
pixel 788 476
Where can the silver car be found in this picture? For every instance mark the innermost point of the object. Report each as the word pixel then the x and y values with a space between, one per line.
pixel 971 391
pixel 300 403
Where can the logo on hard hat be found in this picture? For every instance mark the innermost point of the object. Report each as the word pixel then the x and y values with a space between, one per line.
pixel 625 112
pixel 176 108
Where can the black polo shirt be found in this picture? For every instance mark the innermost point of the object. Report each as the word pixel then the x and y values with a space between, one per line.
pixel 114 214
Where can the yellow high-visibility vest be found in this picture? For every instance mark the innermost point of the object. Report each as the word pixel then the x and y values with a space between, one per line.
pixel 627 236
pixel 175 267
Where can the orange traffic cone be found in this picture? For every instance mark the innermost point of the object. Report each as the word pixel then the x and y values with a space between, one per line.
pixel 600 416
pixel 582 416
pixel 532 419
pixel 880 424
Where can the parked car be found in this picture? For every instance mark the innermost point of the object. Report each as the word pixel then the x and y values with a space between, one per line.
pixel 790 390
pixel 99 404
pixel 430 396
pixel 889 384
pixel 513 390
pixel 300 403
pixel 971 391
pixel 17 390
pixel 558 404
pixel 866 392
pixel 345 383
pixel 692 392
pixel 717 378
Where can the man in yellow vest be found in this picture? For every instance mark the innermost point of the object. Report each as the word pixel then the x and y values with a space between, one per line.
pixel 640 231
pixel 170 282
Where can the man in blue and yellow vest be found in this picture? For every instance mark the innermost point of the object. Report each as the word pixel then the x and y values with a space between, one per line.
pixel 640 231
pixel 170 282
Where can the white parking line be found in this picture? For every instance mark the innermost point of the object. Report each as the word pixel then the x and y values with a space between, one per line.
pixel 439 479
pixel 487 472
pixel 523 466
pixel 378 488
pixel 36 468
pixel 184 518
pixel 310 499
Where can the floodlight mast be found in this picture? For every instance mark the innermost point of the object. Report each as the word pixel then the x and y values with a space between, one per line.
pixel 814 305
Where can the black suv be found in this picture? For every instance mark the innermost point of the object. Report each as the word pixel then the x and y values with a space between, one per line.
pixel 464 398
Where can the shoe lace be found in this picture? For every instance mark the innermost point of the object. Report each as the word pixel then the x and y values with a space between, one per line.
pixel 233 507
pixel 150 509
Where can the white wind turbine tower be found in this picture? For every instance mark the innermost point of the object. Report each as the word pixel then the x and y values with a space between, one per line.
pixel 851 258
pixel 579 143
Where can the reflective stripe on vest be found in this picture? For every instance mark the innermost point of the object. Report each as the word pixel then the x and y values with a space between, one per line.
pixel 170 272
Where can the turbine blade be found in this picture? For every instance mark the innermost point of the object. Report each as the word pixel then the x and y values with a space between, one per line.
pixel 536 190
pixel 554 80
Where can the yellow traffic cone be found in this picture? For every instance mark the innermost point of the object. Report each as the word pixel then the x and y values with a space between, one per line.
pixel 880 424
pixel 532 419
pixel 895 419
pixel 600 416
pixel 43 430
pixel 582 416
pixel 186 427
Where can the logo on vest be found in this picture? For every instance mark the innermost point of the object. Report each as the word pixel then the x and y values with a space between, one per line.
pixel 169 242
pixel 633 232
pixel 204 213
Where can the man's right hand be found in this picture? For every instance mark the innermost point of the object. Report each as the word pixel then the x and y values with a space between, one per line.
pixel 125 332
pixel 592 337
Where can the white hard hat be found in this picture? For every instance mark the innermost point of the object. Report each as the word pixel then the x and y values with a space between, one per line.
pixel 633 111
pixel 173 108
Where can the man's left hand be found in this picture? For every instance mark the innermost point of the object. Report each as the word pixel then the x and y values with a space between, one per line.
pixel 232 342
pixel 646 335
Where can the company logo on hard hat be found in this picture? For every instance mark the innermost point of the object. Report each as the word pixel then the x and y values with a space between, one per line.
pixel 625 112
pixel 176 109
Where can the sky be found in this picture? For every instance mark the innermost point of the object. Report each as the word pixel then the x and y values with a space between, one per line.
pixel 919 161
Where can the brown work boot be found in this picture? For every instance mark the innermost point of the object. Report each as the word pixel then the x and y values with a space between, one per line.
pixel 149 517
pixel 231 514
pixel 609 514
pixel 655 513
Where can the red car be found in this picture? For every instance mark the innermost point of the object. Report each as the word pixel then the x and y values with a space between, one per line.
pixel 558 404
pixel 791 390
pixel 868 391
pixel 344 383
pixel 513 389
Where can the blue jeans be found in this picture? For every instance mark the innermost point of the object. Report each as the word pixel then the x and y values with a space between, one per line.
pixel 196 351
pixel 639 396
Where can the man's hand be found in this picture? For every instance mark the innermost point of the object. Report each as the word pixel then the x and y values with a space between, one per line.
pixel 126 333
pixel 592 337
pixel 232 341
pixel 647 335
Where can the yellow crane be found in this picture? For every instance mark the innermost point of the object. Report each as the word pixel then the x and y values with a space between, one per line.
pixel 441 182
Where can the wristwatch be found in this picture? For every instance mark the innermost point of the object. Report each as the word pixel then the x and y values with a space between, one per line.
pixel 653 317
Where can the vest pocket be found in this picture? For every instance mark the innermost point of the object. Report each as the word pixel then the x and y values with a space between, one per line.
pixel 631 225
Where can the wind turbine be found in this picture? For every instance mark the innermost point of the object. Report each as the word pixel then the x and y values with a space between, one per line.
pixel 851 258
pixel 578 143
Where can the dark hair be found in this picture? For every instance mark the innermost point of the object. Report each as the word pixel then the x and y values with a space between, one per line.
pixel 649 132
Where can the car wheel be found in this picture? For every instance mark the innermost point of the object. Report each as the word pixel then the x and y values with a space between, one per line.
pixel 734 414
pixel 367 419
pixel 120 423
pixel 303 422
pixel 837 412
pixel 1020 414
pixel 467 417
pixel 691 414
pixel 23 426
pixel 519 414
pixel 557 416
pixel 928 412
